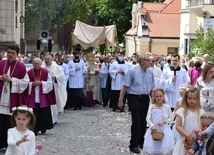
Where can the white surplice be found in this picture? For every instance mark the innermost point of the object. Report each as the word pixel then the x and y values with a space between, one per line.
pixel 59 87
pixel 118 79
pixel 64 67
pixel 157 75
pixel 47 86
pixel 18 86
pixel 172 88
pixel 103 74
pixel 76 78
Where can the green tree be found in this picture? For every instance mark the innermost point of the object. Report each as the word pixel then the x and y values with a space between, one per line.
pixel 114 11
pixel 203 44
pixel 50 14
pixel 118 12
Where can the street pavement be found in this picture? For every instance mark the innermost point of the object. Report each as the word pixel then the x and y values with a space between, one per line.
pixel 90 131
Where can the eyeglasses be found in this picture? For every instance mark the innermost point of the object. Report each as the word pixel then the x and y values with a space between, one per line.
pixel 146 60
pixel 207 117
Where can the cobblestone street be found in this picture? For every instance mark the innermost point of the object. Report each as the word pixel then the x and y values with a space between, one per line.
pixel 91 131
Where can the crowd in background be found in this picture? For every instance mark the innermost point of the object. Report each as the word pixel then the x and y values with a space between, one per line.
pixel 86 79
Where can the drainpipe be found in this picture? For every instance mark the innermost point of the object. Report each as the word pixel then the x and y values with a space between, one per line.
pixel 150 45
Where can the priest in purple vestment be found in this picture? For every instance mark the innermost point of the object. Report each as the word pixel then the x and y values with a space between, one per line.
pixel 195 72
pixel 13 89
pixel 41 96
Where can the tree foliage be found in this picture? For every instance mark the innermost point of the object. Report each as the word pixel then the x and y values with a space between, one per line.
pixel 114 11
pixel 203 44
pixel 48 14
pixel 118 12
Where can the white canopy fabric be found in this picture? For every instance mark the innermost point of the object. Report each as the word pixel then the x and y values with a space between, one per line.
pixel 92 36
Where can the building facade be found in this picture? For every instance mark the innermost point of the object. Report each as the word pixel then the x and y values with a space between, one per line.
pixel 155 28
pixel 12 23
pixel 194 13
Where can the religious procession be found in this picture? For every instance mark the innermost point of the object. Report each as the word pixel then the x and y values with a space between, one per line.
pixel 143 87
pixel 170 99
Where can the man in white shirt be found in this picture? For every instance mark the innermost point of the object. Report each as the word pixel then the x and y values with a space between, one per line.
pixel 172 78
pixel 76 69
pixel 117 71
pixel 205 60
pixel 104 72
pixel 57 75
pixel 156 71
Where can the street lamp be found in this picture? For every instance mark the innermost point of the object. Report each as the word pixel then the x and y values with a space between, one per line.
pixel 21 19
pixel 22 40
pixel 22 28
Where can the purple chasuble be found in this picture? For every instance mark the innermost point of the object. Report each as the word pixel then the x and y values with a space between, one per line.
pixel 45 99
pixel 19 72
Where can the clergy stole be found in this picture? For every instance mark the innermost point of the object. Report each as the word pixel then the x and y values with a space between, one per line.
pixel 45 99
pixel 18 71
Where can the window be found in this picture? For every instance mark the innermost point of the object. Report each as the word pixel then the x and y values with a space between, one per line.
pixel 188 44
pixel 172 50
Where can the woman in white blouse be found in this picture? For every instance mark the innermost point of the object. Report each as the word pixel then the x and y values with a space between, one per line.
pixel 206 85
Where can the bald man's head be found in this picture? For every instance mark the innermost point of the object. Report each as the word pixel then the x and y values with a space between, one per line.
pixel 48 59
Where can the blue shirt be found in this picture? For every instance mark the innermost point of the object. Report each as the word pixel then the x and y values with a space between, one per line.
pixel 138 81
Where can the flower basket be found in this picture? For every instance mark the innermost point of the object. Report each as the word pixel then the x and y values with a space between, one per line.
pixel 158 136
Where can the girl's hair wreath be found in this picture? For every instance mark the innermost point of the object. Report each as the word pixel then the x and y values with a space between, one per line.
pixel 191 88
pixel 187 89
pixel 23 108
pixel 155 89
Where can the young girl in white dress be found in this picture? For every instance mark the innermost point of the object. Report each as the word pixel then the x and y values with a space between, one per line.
pixel 21 140
pixel 188 119
pixel 182 90
pixel 158 117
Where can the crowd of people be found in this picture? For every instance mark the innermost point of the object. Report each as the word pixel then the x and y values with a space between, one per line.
pixel 171 95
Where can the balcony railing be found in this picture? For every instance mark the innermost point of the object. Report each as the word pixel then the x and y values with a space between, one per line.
pixel 200 2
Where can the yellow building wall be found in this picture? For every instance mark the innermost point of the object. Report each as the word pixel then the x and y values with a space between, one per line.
pixel 160 47
pixel 156 46
pixel 144 45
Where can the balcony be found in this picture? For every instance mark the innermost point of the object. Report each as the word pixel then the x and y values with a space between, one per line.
pixel 200 2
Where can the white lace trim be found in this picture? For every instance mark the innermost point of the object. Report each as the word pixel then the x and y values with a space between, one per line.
pixel 151 150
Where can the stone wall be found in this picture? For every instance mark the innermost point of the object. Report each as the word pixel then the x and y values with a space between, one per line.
pixel 7 21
